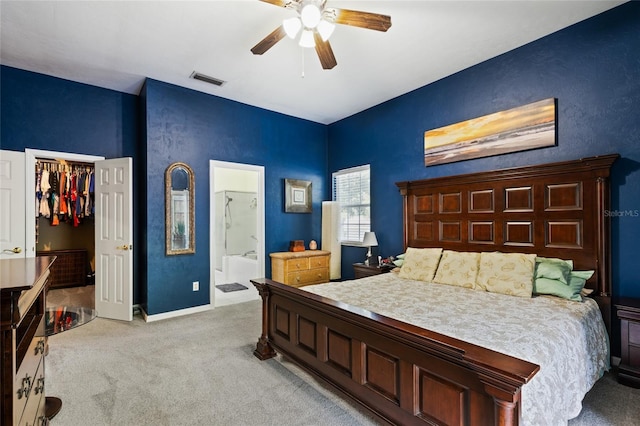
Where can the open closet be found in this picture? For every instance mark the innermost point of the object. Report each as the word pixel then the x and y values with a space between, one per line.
pixel 64 199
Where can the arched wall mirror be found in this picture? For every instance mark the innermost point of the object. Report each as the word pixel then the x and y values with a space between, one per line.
pixel 179 184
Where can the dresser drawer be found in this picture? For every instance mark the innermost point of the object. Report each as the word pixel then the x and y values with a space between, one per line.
pixel 34 406
pixel 26 379
pixel 299 264
pixel 318 262
pixel 311 276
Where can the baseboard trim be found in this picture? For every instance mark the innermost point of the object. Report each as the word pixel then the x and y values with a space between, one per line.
pixel 174 314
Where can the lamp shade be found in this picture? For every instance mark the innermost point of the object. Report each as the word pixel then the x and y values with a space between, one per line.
pixel 370 239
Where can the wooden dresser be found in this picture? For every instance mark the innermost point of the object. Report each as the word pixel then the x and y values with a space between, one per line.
pixel 629 314
pixel 300 268
pixel 23 340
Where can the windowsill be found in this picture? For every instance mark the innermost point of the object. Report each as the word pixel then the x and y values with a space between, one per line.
pixel 351 244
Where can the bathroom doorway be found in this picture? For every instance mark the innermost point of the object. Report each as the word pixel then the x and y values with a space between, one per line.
pixel 237 231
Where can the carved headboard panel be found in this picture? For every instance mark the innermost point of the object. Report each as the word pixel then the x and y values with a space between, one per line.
pixel 552 210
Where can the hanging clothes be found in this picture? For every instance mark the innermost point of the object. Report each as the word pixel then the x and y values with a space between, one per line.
pixel 44 201
pixel 63 192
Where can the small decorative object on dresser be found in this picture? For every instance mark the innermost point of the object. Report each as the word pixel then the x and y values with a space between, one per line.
pixel 361 270
pixel 298 269
pixel 629 315
pixel 296 245
pixel 313 245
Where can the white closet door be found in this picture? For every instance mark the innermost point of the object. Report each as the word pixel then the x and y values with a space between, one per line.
pixel 12 205
pixel 114 238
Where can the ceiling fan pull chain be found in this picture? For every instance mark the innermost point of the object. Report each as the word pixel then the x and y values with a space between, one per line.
pixel 302 51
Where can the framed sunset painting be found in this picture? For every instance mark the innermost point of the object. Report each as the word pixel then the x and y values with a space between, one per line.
pixel 518 129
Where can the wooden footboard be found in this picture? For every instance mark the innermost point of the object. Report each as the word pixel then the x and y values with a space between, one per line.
pixel 404 374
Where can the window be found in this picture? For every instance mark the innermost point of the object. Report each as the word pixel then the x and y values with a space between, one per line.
pixel 351 190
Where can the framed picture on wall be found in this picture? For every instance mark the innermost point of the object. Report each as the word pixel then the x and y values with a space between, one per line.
pixel 297 196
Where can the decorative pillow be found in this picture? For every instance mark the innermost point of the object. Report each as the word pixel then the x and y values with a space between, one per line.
pixel 420 263
pixel 506 273
pixel 573 291
pixel 586 292
pixel 553 269
pixel 458 268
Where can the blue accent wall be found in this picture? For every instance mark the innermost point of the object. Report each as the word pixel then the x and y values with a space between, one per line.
pixel 52 114
pixel 592 68
pixel 42 112
pixel 188 126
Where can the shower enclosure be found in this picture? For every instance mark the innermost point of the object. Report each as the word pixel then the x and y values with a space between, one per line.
pixel 236 218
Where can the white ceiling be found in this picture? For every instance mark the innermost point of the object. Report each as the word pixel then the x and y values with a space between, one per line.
pixel 117 44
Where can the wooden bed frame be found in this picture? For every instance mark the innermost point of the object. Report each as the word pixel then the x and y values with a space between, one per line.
pixel 409 375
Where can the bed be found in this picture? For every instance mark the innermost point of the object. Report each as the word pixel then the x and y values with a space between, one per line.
pixel 436 367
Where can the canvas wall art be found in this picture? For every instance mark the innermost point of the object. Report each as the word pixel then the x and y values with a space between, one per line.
pixel 526 127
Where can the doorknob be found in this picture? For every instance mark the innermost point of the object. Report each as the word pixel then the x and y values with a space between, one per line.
pixel 125 247
pixel 15 250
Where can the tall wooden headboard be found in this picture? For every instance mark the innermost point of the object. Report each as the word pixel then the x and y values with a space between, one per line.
pixel 552 210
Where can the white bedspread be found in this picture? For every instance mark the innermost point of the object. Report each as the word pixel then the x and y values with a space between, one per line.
pixel 567 339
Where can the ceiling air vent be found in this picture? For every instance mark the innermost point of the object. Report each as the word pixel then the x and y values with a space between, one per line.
pixel 211 80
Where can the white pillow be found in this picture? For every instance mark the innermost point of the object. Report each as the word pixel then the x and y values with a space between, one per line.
pixel 458 268
pixel 420 263
pixel 507 273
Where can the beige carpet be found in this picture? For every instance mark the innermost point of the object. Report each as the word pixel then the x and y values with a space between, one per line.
pixel 200 370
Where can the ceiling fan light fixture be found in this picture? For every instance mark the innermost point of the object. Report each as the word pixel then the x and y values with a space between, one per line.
pixel 325 29
pixel 310 15
pixel 292 26
pixel 306 39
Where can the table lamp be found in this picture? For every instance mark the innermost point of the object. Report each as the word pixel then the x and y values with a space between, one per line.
pixel 369 240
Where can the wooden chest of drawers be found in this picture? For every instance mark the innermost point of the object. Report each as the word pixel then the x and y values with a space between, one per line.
pixel 629 315
pixel 23 340
pixel 301 268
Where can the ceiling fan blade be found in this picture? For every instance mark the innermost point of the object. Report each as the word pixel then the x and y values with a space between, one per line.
pixel 268 42
pixel 356 18
pixel 324 51
pixel 282 3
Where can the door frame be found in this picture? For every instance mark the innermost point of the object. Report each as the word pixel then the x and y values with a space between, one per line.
pixel 260 225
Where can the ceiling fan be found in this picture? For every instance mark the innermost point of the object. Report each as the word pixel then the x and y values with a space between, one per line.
pixel 315 23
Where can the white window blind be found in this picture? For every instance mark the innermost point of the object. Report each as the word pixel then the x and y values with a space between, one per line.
pixel 351 190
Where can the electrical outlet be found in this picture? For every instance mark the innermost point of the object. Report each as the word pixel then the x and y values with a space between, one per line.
pixel 196 285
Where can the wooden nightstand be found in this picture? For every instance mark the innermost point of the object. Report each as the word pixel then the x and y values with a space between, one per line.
pixel 361 270
pixel 629 315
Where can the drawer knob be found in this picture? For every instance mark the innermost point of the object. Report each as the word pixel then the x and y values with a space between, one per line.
pixel 26 387
pixel 39 347
pixel 40 386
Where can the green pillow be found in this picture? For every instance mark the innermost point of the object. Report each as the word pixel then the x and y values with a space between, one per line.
pixel 553 269
pixel 571 291
pixel 585 275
